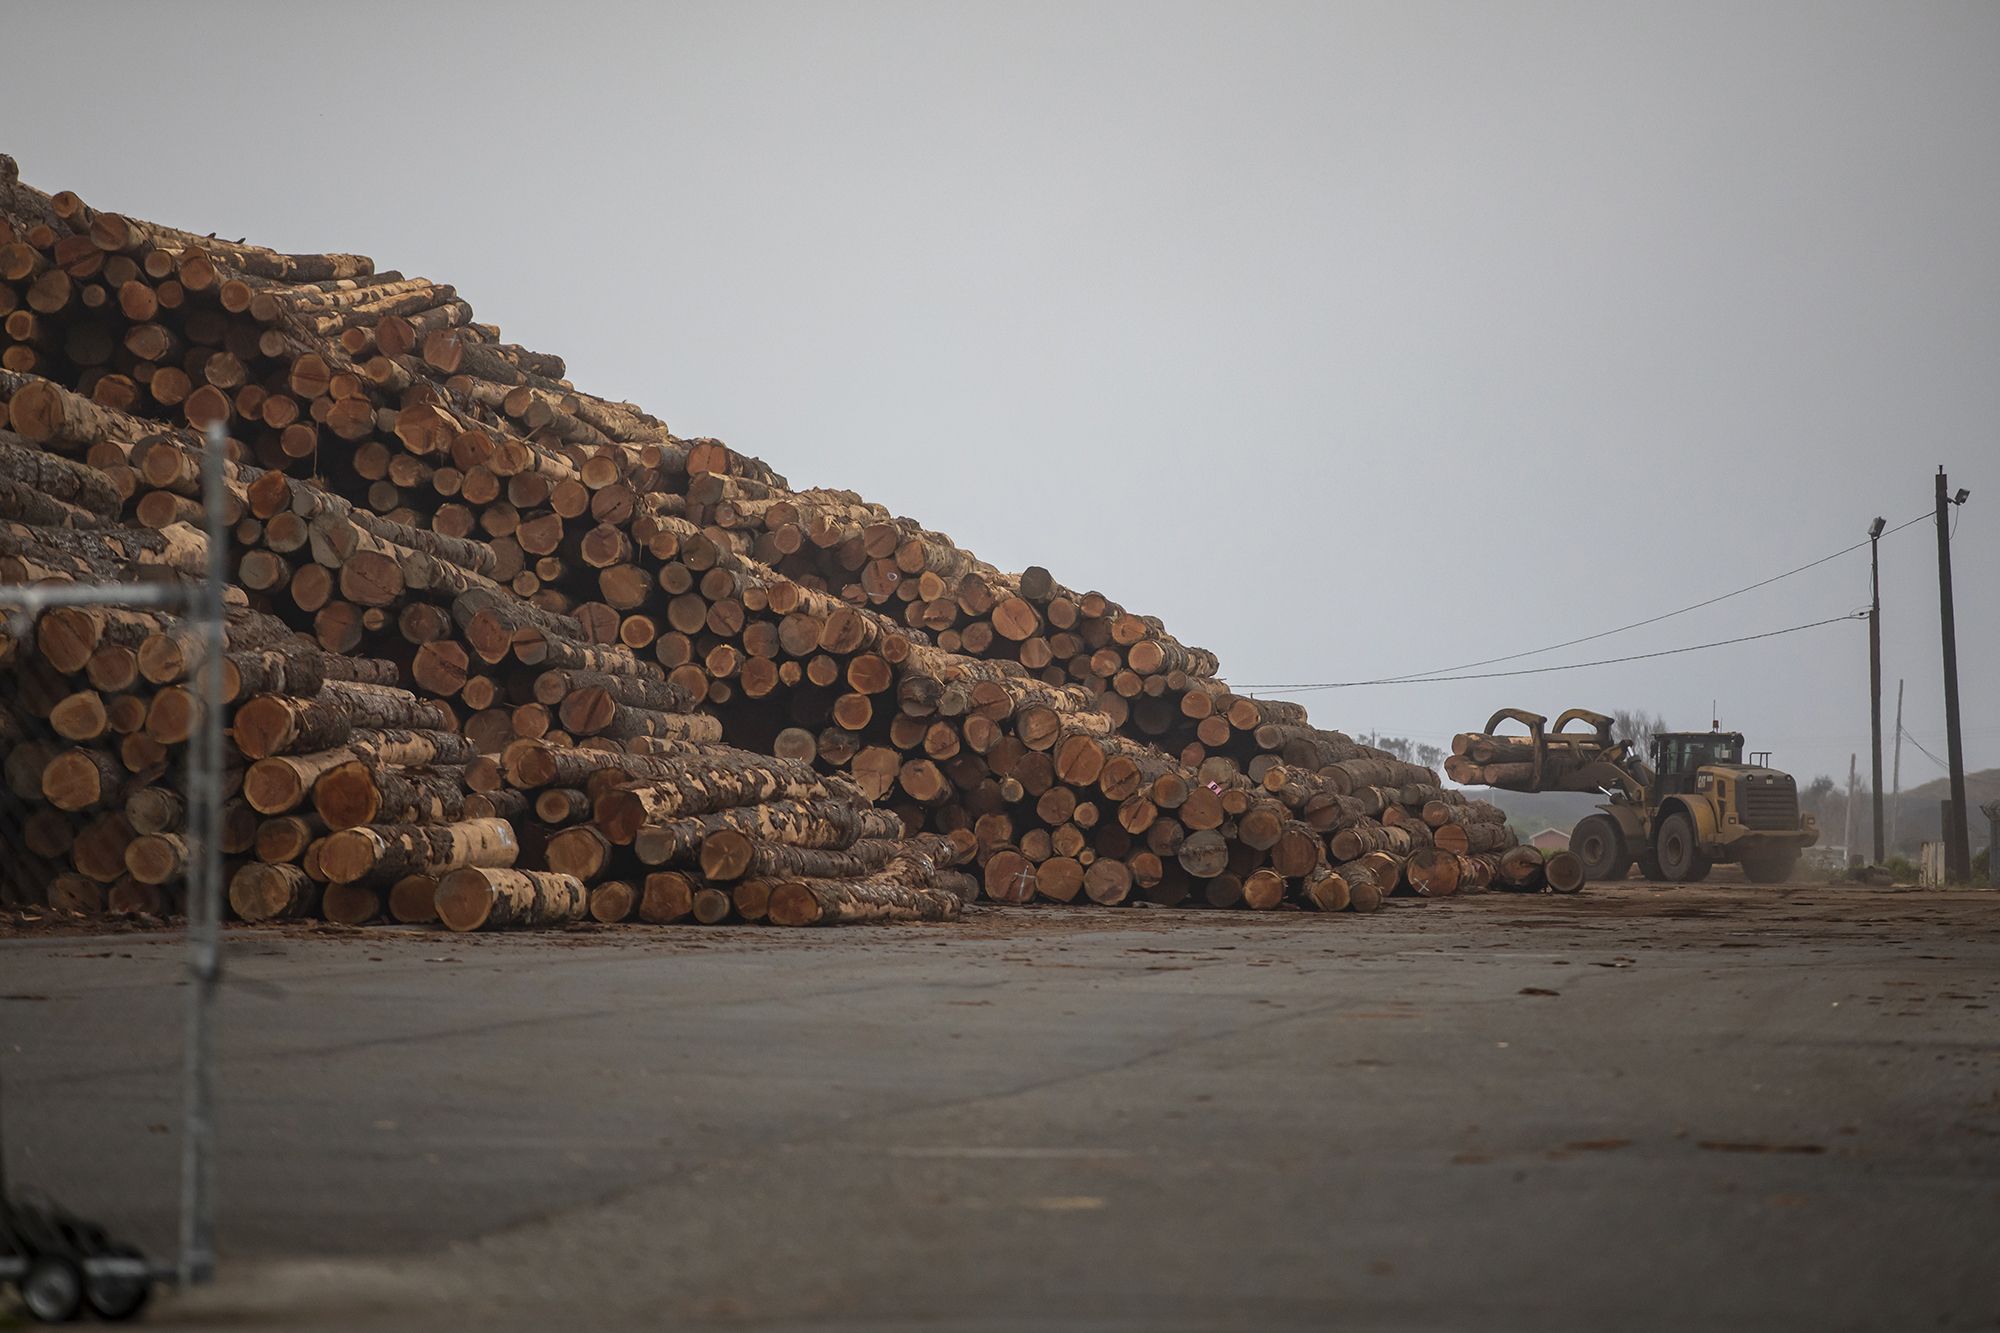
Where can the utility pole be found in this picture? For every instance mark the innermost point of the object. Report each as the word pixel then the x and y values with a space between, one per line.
pixel 1847 833
pixel 1957 842
pixel 1896 800
pixel 1992 811
pixel 1875 671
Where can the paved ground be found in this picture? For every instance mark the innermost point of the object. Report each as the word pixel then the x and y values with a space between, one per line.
pixel 1717 1107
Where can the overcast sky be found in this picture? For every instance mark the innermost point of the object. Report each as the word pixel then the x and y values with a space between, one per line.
pixel 1351 340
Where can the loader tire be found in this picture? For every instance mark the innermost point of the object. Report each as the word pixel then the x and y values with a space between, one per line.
pixel 1600 845
pixel 1679 851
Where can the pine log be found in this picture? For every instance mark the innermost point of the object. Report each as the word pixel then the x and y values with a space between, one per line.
pixel 299 672
pixel 1263 889
pixel 99 850
pixel 1357 840
pixel 59 479
pixel 553 687
pixel 1107 881
pixel 823 824
pixel 261 891
pixel 581 851
pixel 1364 892
pixel 273 786
pixel 272 724
pixel 387 854
pixel 593 712
pixel 80 717
pixel 81 778
pixel 1473 838
pixel 350 904
pixel 1432 872
pixel 668 896
pixel 67 636
pixel 1297 851
pixel 729 855
pixel 286 837
pixel 1521 868
pixel 45 413
pixel 413 899
pixel 474 898
pixel 677 788
pixel 157 858
pixel 614 900
pixel 1353 774
pixel 358 793
pixel 1326 889
pixel 75 893
pixel 897 894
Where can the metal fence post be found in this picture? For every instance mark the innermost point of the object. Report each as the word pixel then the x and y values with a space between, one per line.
pixel 204 904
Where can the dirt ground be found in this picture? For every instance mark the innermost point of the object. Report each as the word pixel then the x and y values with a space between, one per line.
pixel 1712 1106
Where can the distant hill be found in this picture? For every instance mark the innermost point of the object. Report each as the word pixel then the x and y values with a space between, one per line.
pixel 1919 817
pixel 1531 812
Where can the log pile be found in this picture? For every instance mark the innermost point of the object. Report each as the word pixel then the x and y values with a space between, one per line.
pixel 505 653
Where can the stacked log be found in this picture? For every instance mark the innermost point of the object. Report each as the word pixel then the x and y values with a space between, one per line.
pixel 1479 759
pixel 469 597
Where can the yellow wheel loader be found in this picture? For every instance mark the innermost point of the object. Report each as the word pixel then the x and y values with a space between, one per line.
pixel 1697 804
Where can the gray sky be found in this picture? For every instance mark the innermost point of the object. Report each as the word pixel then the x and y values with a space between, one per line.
pixel 1351 340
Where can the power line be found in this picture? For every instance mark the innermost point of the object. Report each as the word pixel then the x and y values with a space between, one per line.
pixel 1573 666
pixel 1927 754
pixel 1637 624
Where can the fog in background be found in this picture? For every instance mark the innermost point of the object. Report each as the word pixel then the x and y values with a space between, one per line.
pixel 1349 339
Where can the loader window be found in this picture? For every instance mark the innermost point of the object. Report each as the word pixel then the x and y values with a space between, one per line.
pixel 1684 754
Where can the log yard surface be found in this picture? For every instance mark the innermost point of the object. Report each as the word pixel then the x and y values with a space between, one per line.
pixel 1712 1106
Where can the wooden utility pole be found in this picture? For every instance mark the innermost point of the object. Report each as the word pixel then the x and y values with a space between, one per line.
pixel 1992 811
pixel 1957 845
pixel 1896 782
pixel 1875 673
pixel 1847 832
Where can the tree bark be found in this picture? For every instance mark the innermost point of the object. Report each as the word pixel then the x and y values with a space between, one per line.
pixel 1326 889
pixel 58 478
pixel 900 893
pixel 729 855
pixel 273 786
pixel 823 824
pixel 1521 868
pixel 475 898
pixel 677 788
pixel 1472 838
pixel 261 891
pixel 553 687
pixel 387 854
pixel 1364 892
pixel 272 724
pixel 593 712
pixel 1357 840
pixel 359 793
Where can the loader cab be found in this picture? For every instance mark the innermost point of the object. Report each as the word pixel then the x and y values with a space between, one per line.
pixel 1678 755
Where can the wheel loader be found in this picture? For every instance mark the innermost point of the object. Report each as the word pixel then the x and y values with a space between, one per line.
pixel 1695 805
